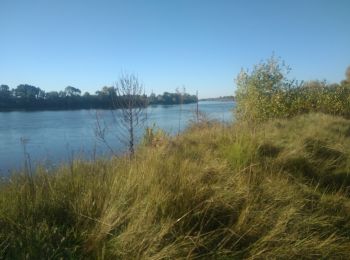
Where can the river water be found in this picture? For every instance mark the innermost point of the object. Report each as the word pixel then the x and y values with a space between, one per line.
pixel 53 137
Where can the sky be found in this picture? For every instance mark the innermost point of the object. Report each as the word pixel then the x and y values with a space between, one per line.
pixel 197 44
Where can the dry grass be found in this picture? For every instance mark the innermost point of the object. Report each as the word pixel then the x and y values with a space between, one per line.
pixel 277 190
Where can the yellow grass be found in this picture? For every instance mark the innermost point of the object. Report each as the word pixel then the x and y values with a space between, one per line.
pixel 275 190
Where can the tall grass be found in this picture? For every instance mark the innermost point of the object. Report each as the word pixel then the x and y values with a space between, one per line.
pixel 280 190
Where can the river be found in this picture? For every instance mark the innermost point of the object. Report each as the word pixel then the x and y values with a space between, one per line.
pixel 53 137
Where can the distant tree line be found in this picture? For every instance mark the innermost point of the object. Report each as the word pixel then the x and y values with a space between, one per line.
pixel 221 98
pixel 171 98
pixel 27 97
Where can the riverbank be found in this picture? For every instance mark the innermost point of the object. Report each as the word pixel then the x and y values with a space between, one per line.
pixel 274 190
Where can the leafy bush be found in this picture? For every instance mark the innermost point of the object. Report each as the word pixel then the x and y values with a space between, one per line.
pixel 266 93
pixel 261 94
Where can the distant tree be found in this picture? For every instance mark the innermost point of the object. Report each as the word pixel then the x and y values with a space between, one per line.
pixel 41 94
pixel 62 94
pixel 5 96
pixel 160 99
pixel 110 92
pixel 72 91
pixel 152 98
pixel 27 91
pixel 5 91
pixel 4 88
pixel 52 95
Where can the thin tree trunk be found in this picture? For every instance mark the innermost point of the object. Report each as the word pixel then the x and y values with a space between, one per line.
pixel 131 131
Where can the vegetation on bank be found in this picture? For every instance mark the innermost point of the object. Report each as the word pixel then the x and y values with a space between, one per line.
pixel 267 92
pixel 27 97
pixel 273 185
pixel 221 98
pixel 279 190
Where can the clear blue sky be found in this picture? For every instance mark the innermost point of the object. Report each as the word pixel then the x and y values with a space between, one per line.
pixel 199 44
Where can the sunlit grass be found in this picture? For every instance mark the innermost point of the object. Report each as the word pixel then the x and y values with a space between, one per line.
pixel 274 190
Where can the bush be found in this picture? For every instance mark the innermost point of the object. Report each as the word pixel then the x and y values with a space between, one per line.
pixel 262 94
pixel 267 93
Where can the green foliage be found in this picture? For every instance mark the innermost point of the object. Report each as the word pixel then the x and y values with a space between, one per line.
pixel 262 94
pixel 266 93
pixel 172 98
pixel 27 97
pixel 276 191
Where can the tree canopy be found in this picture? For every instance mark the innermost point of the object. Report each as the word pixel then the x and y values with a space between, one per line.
pixel 28 97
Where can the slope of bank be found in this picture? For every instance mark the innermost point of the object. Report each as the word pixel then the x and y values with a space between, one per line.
pixel 275 190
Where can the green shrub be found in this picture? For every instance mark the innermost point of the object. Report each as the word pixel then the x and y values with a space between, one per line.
pixel 263 93
pixel 266 93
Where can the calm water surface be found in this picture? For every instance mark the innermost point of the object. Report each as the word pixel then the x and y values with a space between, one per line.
pixel 53 137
